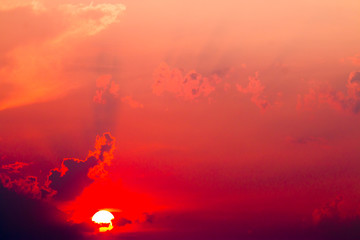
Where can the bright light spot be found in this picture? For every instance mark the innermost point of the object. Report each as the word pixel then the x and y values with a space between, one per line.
pixel 103 217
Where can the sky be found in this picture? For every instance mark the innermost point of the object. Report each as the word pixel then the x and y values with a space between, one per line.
pixel 184 119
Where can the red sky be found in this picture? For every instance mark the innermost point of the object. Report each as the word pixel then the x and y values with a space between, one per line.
pixel 217 119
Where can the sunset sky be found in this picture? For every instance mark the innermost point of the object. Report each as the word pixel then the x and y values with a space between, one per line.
pixel 185 119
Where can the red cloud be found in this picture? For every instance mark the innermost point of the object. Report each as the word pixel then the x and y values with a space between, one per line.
pixel 14 167
pixel 329 212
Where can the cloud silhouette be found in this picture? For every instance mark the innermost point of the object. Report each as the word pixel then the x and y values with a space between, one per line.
pixel 75 174
pixel 331 223
pixel 25 218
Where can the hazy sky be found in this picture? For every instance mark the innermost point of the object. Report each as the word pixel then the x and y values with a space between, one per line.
pixel 188 119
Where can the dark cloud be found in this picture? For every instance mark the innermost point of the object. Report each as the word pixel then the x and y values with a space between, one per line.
pixel 25 218
pixel 66 182
pixel 214 225
pixel 28 185
pixel 330 223
pixel 146 218
pixel 74 180
pixel 74 174
pixel 328 212
pixel 121 222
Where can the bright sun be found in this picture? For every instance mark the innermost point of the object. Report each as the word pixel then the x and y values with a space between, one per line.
pixel 103 217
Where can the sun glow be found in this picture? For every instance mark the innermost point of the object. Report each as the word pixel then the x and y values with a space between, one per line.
pixel 103 217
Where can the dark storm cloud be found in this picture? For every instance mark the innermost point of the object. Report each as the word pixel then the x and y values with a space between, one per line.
pixel 25 218
pixel 330 223
pixel 75 174
pixel 68 181
pixel 75 179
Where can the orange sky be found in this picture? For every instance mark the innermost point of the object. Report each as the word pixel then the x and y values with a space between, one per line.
pixel 245 110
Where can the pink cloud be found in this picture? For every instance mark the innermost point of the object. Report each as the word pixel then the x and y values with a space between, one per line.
pixel 256 89
pixel 106 87
pixel 355 59
pixel 131 102
pixel 36 6
pixel 35 70
pixel 348 101
pixel 186 85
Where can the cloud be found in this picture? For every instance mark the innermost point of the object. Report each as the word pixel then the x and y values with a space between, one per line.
pixel 120 221
pixel 188 86
pixel 349 101
pixel 25 218
pixel 106 89
pixel 27 186
pixel 34 68
pixel 355 59
pixel 328 212
pixel 256 89
pixel 75 174
pixel 7 5
pixel 91 19
pixel 332 223
pixel 14 167
pixel 131 102
pixel 146 218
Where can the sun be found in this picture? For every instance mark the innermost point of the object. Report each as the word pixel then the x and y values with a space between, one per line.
pixel 103 217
